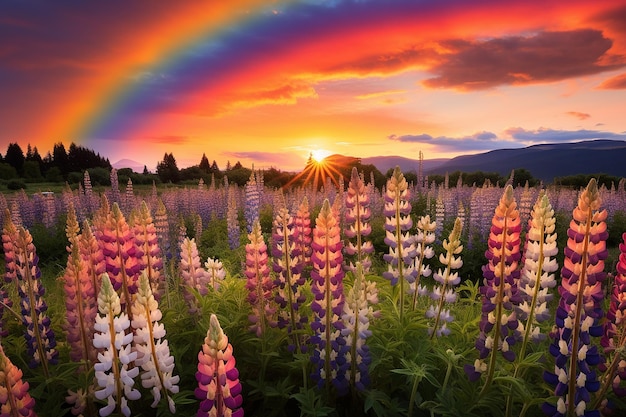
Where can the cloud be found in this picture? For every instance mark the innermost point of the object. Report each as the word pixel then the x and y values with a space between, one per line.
pixel 543 57
pixel 553 135
pixel 579 115
pixel 268 158
pixel 615 83
pixel 281 95
pixel 379 94
pixel 479 141
pixel 170 139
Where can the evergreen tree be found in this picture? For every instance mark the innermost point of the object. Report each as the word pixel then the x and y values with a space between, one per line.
pixel 204 164
pixel 15 157
pixel 167 170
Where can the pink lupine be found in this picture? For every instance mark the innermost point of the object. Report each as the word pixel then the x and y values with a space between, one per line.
pixel 148 242
pixel 357 219
pixel 259 284
pixel 219 389
pixel 91 255
pixel 194 277
pixel 15 400
pixel 302 224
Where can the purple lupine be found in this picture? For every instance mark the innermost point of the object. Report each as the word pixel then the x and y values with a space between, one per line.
pixel 14 397
pixel 40 340
pixel 193 276
pixel 357 226
pixel 253 201
pixel 218 388
pixel 289 279
pixel 356 316
pixel 499 290
pixel 580 309
pixel 614 336
pixel 329 355
pixel 8 237
pixel 400 258
pixel 232 221
pixel 443 292
pixel 259 283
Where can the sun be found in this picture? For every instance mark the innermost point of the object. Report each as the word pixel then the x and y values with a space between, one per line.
pixel 319 154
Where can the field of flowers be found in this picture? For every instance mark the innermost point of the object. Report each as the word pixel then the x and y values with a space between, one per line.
pixel 413 300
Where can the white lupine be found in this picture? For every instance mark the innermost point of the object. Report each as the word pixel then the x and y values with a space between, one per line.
pixel 153 352
pixel 216 272
pixel 423 240
pixel 112 371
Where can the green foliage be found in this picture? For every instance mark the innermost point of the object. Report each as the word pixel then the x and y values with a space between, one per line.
pixel 16 184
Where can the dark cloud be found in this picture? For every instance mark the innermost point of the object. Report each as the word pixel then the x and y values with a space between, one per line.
pixel 579 115
pixel 544 57
pixel 552 135
pixel 479 141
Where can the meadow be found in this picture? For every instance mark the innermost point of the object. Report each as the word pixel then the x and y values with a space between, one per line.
pixel 347 300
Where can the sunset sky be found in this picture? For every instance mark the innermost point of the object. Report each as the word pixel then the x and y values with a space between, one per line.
pixel 266 82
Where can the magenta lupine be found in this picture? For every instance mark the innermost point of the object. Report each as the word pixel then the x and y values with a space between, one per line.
pixel 15 400
pixel 289 279
pixel 614 337
pixel 400 259
pixel 357 226
pixel 92 255
pixel 153 352
pixel 147 241
pixel 215 273
pixel 219 389
pixel 580 309
pixel 356 316
pixel 303 230
pixel 40 340
pixel 114 372
pixel 424 238
pixel 499 290
pixel 443 292
pixel 193 276
pixel 328 356
pixel 259 283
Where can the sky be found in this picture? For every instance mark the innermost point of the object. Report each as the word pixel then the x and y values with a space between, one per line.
pixel 269 82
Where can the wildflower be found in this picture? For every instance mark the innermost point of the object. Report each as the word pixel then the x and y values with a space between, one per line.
pixel 14 397
pixel 499 290
pixel 259 284
pixel 423 240
pixel 357 216
pixel 8 236
pixel 153 352
pixel 444 292
pixel 147 242
pixel 215 271
pixel 327 305
pixel 253 201
pixel 232 220
pixel 580 308
pixel 302 234
pixel 289 279
pixel 218 388
pixel 356 316
pixel 113 373
pixel 397 225
pixel 194 277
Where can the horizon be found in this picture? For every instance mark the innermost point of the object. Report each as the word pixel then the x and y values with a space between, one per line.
pixel 268 82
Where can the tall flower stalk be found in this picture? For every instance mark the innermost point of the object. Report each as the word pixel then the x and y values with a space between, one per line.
pixel 147 241
pixel 303 230
pixel 499 290
pixel 357 217
pixel 327 276
pixel 400 259
pixel 114 371
pixel 424 238
pixel 219 389
pixel 194 277
pixel 215 272
pixel 15 400
pixel 259 283
pixel 153 352
pixel 580 308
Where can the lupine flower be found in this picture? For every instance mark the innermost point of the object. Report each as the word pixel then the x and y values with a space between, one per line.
pixel 537 275
pixel 397 225
pixel 153 352
pixel 614 336
pixel 356 316
pixel 92 256
pixel 219 388
pixel 194 277
pixel 327 287
pixel 14 397
pixel 232 221
pixel 423 240
pixel 259 284
pixel 9 233
pixel 444 293
pixel 253 201
pixel 162 226
pixel 499 290
pixel 215 273
pixel 289 279
pixel 40 340
pixel 302 224
pixel 357 217
pixel 147 241
pixel 113 373
pixel 115 186
pixel 580 309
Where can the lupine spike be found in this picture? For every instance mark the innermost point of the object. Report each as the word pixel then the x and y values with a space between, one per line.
pixel 302 222
pixel 219 389
pixel 8 238
pixel 153 352
pixel 114 372
pixel 499 290
pixel 259 284
pixel 232 221
pixel 148 242
pixel 424 238
pixel 92 256
pixel 443 293
pixel 216 273
pixel 357 217
pixel 397 225
pixel 194 277
pixel 15 400
pixel 580 308
pixel 327 305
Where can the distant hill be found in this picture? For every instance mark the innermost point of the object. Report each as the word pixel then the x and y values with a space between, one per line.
pixel 546 161
pixel 129 163
pixel 384 163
